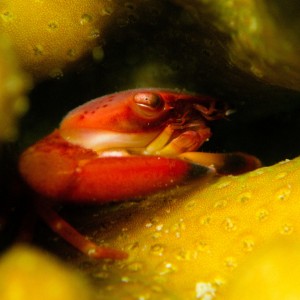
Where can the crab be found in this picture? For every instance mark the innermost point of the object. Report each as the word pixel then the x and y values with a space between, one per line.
pixel 122 146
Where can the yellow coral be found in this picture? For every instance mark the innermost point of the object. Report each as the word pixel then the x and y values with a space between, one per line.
pixel 187 244
pixel 26 273
pixel 48 35
pixel 271 273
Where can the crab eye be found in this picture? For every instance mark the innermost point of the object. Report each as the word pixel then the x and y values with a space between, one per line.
pixel 148 104
pixel 149 100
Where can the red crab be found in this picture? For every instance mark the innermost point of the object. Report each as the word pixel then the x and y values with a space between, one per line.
pixel 123 146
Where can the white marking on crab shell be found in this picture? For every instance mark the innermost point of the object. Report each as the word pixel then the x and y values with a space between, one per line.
pixel 101 140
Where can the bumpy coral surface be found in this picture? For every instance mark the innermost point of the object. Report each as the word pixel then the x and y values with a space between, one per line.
pixel 49 36
pixel 186 245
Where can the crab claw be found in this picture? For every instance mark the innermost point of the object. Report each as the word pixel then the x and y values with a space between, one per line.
pixel 68 173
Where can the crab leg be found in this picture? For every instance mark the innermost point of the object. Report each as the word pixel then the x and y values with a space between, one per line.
pixel 67 232
pixel 224 163
pixel 187 141
pixel 181 147
pixel 160 141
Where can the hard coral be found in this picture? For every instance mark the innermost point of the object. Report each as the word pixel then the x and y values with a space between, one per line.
pixel 188 244
pixel 50 36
